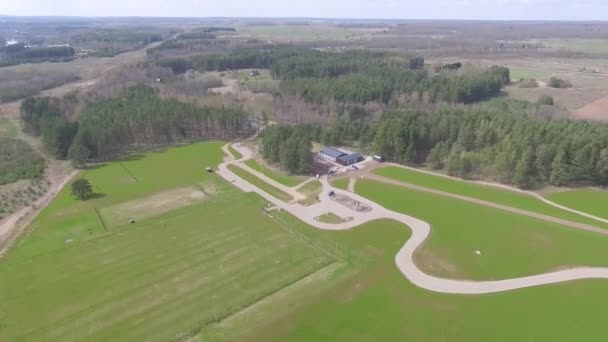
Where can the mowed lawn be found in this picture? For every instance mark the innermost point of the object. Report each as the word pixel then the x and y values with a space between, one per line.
pixel 278 176
pixel 368 299
pixel 511 245
pixel 340 183
pixel 163 278
pixel 251 178
pixel 592 201
pixel 486 193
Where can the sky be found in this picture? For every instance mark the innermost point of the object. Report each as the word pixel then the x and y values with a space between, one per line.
pixel 377 9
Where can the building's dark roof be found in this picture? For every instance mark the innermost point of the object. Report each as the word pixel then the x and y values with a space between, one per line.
pixel 352 156
pixel 333 152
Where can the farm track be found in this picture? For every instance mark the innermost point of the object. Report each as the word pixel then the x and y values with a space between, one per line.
pixel 420 232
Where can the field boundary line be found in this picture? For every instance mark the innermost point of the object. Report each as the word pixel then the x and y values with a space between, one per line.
pixel 303 237
pixel 194 332
pixel 129 172
pixel 103 224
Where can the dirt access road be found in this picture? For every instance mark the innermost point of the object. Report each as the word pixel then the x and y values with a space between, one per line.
pixel 404 258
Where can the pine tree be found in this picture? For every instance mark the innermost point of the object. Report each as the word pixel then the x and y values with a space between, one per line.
pixel 560 174
pixel 524 172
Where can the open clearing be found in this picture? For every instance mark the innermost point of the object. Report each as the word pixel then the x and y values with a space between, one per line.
pixel 593 201
pixel 487 193
pixel 177 272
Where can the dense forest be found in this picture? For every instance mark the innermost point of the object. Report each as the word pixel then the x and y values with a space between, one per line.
pixel 138 119
pixel 503 139
pixel 360 76
pixel 289 147
pixel 19 53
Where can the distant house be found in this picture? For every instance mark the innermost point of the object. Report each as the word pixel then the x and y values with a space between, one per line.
pixel 334 155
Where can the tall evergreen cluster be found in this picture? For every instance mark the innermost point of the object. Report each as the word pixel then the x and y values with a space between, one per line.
pixel 290 147
pixel 502 140
pixel 359 76
pixel 138 119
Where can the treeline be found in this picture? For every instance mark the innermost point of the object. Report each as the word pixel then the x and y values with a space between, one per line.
pixel 110 42
pixel 19 53
pixel 502 140
pixel 289 147
pixel 359 76
pixel 43 117
pixel 138 119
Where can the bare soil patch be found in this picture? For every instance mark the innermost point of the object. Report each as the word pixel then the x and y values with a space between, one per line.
pixel 597 110
pixel 160 203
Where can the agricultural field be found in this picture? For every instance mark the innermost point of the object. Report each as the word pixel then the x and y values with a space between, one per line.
pixel 80 273
pixel 7 129
pixel 486 193
pixel 592 201
pixel 246 175
pixel 276 175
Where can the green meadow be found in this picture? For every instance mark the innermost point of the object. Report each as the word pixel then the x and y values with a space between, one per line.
pixel 367 299
pixel 208 264
pixel 592 201
pixel 79 276
pixel 511 245
pixel 486 193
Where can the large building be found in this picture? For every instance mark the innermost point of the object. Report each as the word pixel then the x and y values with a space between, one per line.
pixel 334 155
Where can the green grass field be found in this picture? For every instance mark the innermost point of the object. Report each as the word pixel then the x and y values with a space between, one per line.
pixel 511 245
pixel 487 193
pixel 368 299
pixel 592 201
pixel 236 154
pixel 331 218
pixel 166 277
pixel 340 183
pixel 278 193
pixel 278 176
pixel 312 190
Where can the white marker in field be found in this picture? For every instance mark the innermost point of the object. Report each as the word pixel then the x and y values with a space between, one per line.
pixel 478 252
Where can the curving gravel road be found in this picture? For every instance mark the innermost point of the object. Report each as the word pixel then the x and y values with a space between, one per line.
pixel 404 258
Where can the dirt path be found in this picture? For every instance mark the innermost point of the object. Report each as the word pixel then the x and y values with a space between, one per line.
pixel 420 232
